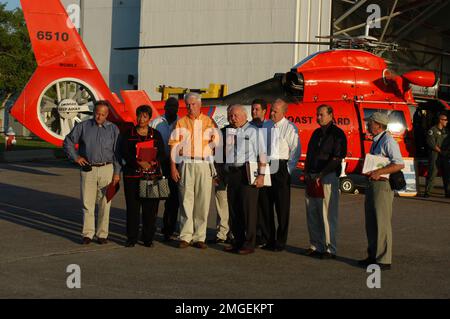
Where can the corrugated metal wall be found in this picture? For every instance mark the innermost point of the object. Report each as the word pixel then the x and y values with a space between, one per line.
pixel 198 21
pixel 107 24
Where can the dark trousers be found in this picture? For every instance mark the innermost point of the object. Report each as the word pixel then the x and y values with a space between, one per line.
pixel 437 162
pixel 243 205
pixel 171 205
pixel 279 197
pixel 263 223
pixel 134 204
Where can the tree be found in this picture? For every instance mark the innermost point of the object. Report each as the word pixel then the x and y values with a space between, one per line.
pixel 16 56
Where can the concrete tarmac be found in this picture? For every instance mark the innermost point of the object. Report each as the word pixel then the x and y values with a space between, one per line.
pixel 40 225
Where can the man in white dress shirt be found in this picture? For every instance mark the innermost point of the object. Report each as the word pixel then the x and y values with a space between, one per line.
pixel 284 151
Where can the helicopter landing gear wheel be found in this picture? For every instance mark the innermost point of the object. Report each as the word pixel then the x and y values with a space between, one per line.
pixel 64 104
pixel 347 185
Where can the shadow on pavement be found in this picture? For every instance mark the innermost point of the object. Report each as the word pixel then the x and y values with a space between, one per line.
pixel 52 213
pixel 342 259
pixel 431 199
pixel 60 215
pixel 22 169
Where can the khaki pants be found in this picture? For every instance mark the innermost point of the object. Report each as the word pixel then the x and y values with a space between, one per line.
pixel 378 207
pixel 93 188
pixel 223 226
pixel 322 216
pixel 195 196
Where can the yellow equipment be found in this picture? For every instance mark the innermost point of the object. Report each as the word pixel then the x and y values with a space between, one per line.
pixel 214 91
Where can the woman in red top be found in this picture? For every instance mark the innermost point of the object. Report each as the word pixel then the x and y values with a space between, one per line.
pixel 133 170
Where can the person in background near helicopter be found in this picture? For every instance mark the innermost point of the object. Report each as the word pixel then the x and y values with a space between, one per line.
pixel 436 135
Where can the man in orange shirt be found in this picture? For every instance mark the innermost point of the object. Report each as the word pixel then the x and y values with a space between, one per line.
pixel 191 158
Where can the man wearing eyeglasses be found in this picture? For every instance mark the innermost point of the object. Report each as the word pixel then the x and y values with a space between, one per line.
pixel 436 135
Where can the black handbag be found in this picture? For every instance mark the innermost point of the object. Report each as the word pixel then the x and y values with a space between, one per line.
pixel 397 181
pixel 154 188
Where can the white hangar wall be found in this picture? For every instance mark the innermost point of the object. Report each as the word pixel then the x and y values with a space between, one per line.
pixel 202 21
pixel 108 24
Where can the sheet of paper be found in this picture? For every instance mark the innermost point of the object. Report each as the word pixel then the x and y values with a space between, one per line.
pixel 252 172
pixel 373 162
pixel 410 176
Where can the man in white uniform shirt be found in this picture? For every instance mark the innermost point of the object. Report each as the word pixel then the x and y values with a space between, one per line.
pixel 284 151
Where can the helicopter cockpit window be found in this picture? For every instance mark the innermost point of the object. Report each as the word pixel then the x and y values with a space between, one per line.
pixel 397 121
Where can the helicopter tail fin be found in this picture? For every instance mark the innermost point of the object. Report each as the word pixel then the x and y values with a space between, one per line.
pixel 55 39
pixel 66 83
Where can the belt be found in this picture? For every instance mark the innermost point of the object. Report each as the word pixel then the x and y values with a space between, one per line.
pixel 279 160
pixel 382 179
pixel 100 164
pixel 199 158
pixel 194 158
pixel 235 168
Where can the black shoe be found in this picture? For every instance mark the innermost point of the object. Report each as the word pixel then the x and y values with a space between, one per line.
pixel 231 249
pixel 86 241
pixel 268 247
pixel 130 244
pixel 366 262
pixel 102 241
pixel 328 255
pixel 148 244
pixel 384 266
pixel 199 245
pixel 183 244
pixel 216 241
pixel 426 195
pixel 246 251
pixel 279 247
pixel 313 253
pixel 169 238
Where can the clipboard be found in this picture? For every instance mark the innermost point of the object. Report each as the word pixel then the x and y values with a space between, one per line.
pixel 313 190
pixel 146 151
pixel 111 191
pixel 373 162
pixel 252 173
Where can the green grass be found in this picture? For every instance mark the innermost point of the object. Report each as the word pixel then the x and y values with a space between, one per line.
pixel 27 144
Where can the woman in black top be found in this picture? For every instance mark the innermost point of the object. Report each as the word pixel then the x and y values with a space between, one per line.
pixel 133 171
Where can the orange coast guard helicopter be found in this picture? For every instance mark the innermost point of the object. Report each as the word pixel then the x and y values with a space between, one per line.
pixel 355 83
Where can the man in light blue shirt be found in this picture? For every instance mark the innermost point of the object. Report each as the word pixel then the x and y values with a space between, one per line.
pixel 99 159
pixel 242 146
pixel 379 195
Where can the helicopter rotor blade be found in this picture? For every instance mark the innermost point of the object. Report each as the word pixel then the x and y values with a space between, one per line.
pixel 333 41
pixel 219 44
pixel 432 52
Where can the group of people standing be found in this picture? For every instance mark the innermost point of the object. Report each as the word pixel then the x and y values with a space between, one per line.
pixel 232 163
